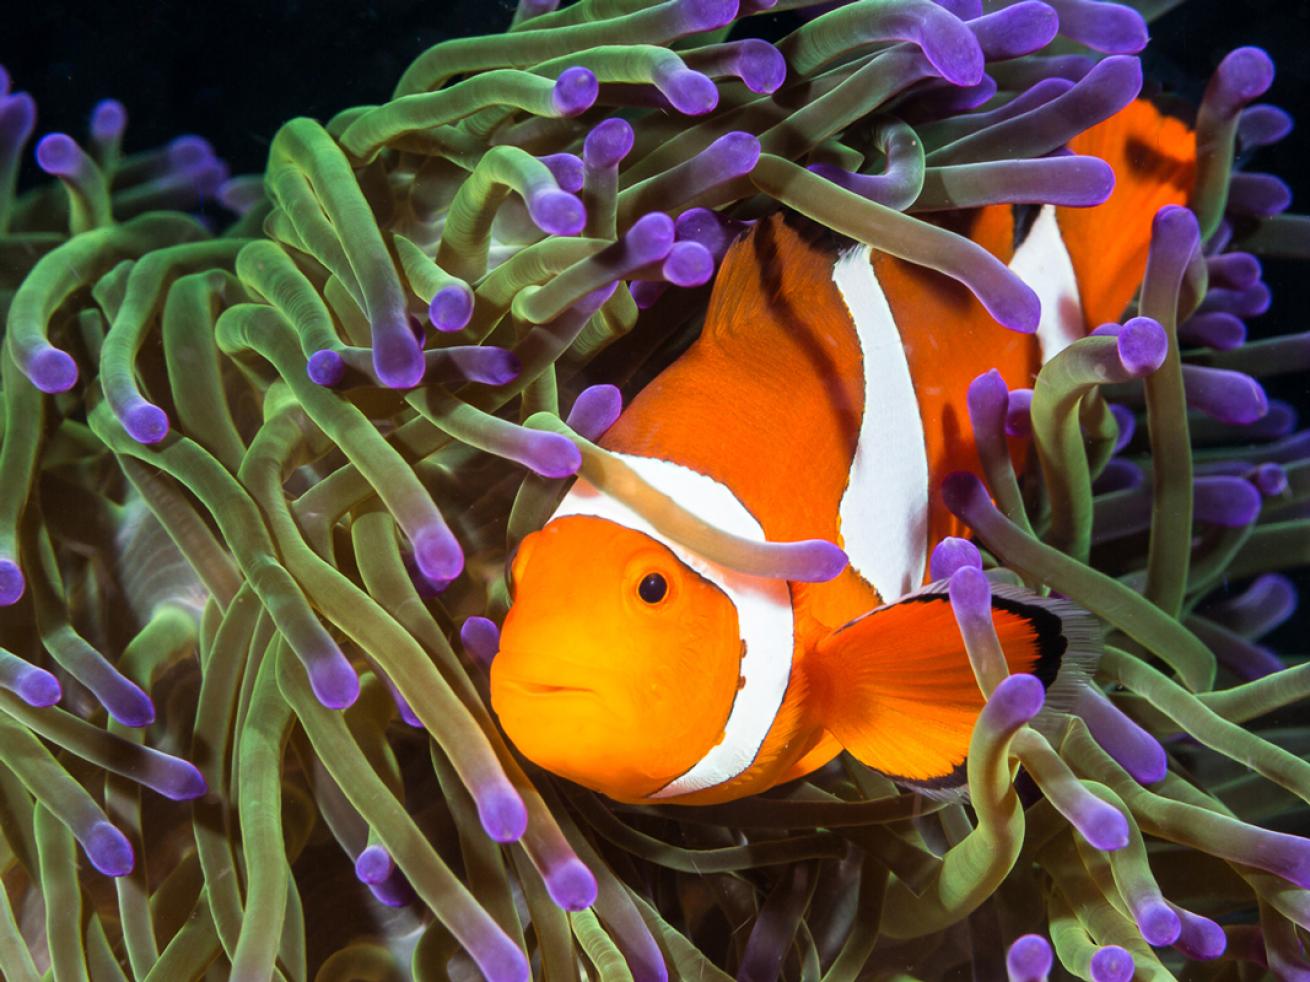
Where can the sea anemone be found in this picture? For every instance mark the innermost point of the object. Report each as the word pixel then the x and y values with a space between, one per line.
pixel 258 487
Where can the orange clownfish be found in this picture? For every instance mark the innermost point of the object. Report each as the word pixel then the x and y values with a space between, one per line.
pixel 825 398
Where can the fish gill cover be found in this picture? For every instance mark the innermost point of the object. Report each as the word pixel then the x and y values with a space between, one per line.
pixel 260 477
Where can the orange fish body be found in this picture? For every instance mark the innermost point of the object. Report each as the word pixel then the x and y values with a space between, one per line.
pixel 825 399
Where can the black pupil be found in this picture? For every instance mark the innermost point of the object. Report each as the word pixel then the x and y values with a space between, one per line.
pixel 652 588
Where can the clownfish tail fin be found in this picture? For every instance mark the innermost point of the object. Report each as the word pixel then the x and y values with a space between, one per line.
pixel 1153 156
pixel 896 689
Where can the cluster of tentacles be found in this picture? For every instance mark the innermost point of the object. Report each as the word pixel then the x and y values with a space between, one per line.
pixel 257 487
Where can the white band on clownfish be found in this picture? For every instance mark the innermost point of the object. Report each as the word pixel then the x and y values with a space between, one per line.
pixel 884 509
pixel 1042 261
pixel 764 612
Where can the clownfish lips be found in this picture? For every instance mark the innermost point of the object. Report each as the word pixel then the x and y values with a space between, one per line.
pixel 531 687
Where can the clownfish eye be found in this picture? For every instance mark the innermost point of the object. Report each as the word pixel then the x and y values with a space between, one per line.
pixel 653 588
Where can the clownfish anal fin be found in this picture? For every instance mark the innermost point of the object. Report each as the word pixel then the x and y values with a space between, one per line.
pixel 896 689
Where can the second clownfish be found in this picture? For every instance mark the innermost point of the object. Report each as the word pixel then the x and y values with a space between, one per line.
pixel 824 399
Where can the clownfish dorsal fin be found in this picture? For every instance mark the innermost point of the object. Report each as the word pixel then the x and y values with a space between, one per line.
pixel 778 274
pixel 1154 160
pixel 896 689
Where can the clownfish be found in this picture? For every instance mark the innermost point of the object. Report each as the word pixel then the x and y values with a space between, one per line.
pixel 823 399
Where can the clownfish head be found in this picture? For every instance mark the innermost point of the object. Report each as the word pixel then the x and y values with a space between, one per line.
pixel 618 664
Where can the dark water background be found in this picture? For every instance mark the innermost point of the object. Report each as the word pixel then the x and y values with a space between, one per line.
pixel 234 71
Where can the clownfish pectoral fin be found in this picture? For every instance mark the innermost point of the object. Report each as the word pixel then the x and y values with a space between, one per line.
pixel 896 689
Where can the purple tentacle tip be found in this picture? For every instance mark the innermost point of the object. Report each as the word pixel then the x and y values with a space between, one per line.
pixel 553 455
pixel 108 849
pixel 451 307
pixel 1014 701
pixel 17 118
pixel 645 293
pixel 952 554
pixel 575 91
pixel 334 680
pixel 1229 502
pixel 695 16
pixel 557 212
pixel 52 370
pixel 988 398
pixel 374 864
pixel 1216 329
pixel 961 490
pixel 397 357
pixel 1109 28
pixel 689 92
pixel 1201 938
pixel 1245 74
pixel 1103 826
pixel 438 554
pixel 1158 923
pixel 38 688
pixel 489 364
pixel 1263 125
pixel 1261 195
pixel 505 963
pixel 688 264
pixel 1087 181
pixel 190 151
pixel 1279 421
pixel 188 783
pixel 649 239
pixel 145 422
pixel 1018 413
pixel 130 704
pixel 1139 753
pixel 1235 270
pixel 1228 396
pixel 1014 31
pixel 761 66
pixel 325 367
pixel 58 154
pixel 1119 475
pixel 504 817
pixel 595 410
pixel 12 583
pixel 394 891
pixel 1143 345
pixel 1029 959
pixel 825 561
pixel 481 638
pixel 1271 479
pixel 1112 964
pixel 406 711
pixel 1018 308
pixel 108 120
pixel 608 143
pixel 566 169
pixel 949 45
pixel 1251 301
pixel 1175 231
pixel 571 885
pixel 733 154
pixel 971 595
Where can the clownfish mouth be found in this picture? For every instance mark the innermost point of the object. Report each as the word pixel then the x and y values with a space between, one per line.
pixel 533 688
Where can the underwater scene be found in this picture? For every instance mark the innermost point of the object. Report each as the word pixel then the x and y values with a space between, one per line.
pixel 639 490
